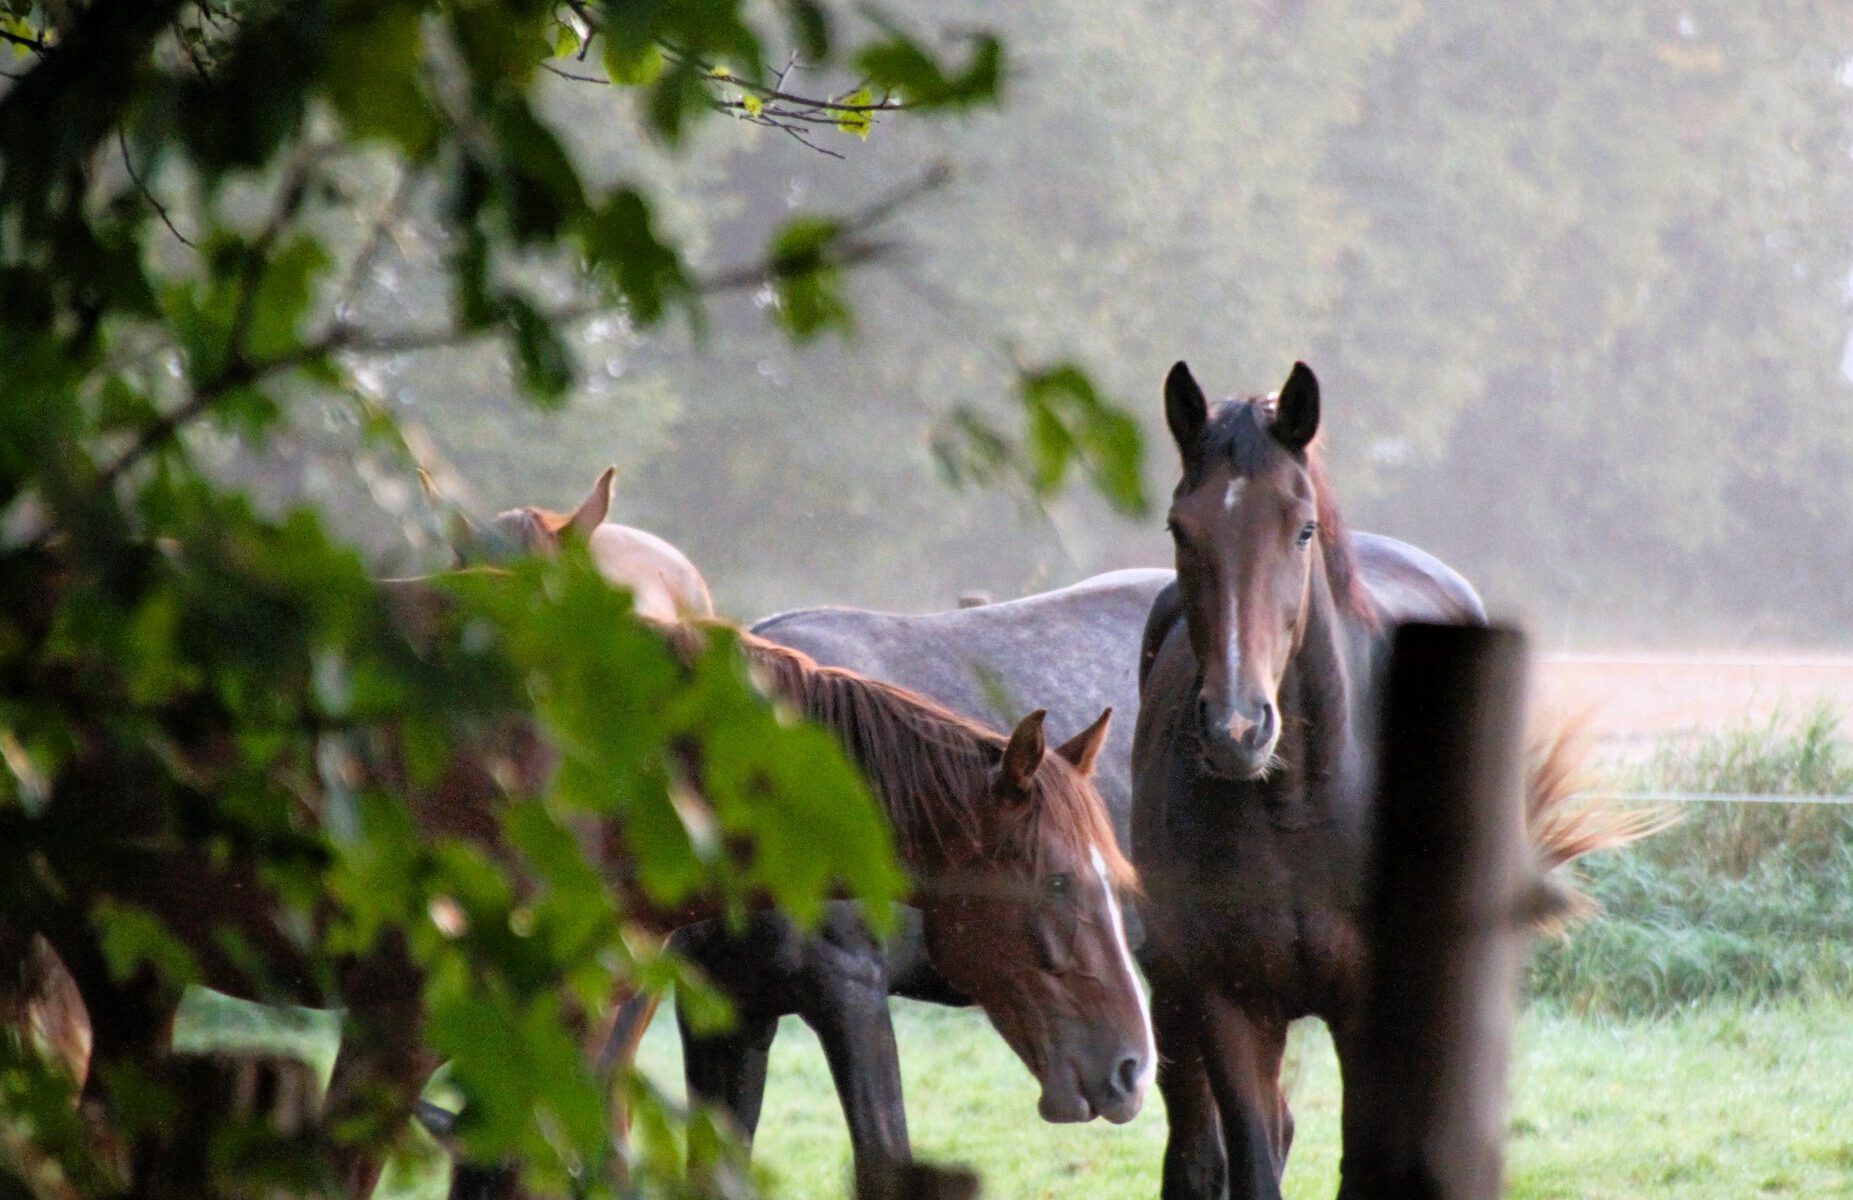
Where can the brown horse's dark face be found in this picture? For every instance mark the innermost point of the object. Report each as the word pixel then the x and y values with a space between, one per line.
pixel 1247 545
pixel 1033 932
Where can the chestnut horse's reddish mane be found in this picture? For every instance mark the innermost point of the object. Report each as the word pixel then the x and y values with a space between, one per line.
pixel 1239 432
pixel 932 768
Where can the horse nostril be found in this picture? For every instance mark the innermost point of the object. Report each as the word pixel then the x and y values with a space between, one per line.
pixel 1204 723
pixel 1264 726
pixel 1126 1075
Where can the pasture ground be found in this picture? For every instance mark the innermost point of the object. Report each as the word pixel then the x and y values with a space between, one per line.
pixel 1696 1042
pixel 1717 1103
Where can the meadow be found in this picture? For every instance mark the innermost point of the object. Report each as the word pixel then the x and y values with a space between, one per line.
pixel 1720 1102
pixel 1695 1042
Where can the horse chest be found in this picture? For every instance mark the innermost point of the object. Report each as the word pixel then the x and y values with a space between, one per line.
pixel 1249 916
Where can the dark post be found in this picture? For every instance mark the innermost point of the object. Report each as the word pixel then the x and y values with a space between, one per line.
pixel 1425 1111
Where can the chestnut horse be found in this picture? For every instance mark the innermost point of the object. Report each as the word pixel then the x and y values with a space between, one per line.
pixel 1078 648
pixel 1253 777
pixel 1012 853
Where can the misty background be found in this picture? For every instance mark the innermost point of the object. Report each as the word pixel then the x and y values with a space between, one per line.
pixel 1577 280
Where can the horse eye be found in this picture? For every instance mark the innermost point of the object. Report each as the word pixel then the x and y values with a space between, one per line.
pixel 1059 885
pixel 1306 534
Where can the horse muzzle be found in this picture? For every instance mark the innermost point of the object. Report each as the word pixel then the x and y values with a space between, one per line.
pixel 1237 740
pixel 1117 1093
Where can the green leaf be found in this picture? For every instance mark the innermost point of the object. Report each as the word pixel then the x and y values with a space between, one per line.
pixel 680 92
pixel 543 361
pixel 899 65
pixel 807 281
pixel 540 187
pixel 631 63
pixel 810 29
pixel 375 80
pixel 282 297
pixel 1070 421
pixel 566 41
pixel 622 246
pixel 134 937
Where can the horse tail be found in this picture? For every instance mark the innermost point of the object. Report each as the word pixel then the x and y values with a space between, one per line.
pixel 619 1052
pixel 1565 821
pixel 49 1010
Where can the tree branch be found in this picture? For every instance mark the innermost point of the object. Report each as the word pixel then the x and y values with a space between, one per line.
pixel 38 45
pixel 160 210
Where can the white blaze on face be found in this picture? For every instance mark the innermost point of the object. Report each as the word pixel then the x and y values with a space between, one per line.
pixel 1230 496
pixel 1150 1069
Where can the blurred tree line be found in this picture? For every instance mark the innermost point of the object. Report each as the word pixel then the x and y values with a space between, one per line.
pixel 1575 278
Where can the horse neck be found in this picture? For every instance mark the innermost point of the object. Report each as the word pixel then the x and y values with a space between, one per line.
pixel 928 767
pixel 1321 694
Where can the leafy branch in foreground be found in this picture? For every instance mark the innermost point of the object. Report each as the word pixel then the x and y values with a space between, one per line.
pixel 214 721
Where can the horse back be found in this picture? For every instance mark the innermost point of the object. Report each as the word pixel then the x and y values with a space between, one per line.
pixel 1073 652
pixel 664 584
pixel 1410 584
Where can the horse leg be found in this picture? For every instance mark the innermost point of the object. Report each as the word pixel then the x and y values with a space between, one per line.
pixel 853 1025
pixel 1243 1057
pixel 728 1070
pixel 1350 1067
pixel 1194 1167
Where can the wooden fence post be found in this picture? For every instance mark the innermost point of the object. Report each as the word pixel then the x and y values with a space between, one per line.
pixel 1425 1108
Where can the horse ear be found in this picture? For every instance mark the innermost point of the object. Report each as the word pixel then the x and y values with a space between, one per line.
pixel 1083 748
pixel 1186 411
pixel 1296 414
pixel 592 510
pixel 469 543
pixel 1022 756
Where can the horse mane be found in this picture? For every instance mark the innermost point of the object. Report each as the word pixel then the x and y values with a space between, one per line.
pixel 1240 432
pixel 931 768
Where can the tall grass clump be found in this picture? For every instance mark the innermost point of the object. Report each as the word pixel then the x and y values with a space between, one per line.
pixel 1739 901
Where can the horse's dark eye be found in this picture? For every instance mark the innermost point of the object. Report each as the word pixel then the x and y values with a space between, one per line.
pixel 1059 885
pixel 1306 534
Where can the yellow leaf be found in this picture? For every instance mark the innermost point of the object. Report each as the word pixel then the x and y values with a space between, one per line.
pixel 858 122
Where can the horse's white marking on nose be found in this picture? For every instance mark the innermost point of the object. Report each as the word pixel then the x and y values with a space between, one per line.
pixel 1149 1070
pixel 1228 497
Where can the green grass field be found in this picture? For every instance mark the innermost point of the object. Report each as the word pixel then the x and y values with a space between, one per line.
pixel 1715 1103
pixel 1695 1043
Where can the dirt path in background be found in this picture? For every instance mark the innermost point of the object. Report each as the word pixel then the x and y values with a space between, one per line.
pixel 1637 700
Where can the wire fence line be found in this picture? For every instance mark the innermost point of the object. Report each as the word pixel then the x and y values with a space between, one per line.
pixel 1799 662
pixel 1713 798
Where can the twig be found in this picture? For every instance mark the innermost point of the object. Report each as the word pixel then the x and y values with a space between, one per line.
pixel 885 104
pixel 186 48
pixel 237 369
pixel 148 195
pixel 362 266
pixel 807 142
pixel 38 45
pixel 576 78
pixel 289 199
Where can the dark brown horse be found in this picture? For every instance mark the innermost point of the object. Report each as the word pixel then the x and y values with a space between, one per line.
pixel 1253 778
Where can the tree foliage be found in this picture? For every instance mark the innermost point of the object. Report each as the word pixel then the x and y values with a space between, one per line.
pixel 212 710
